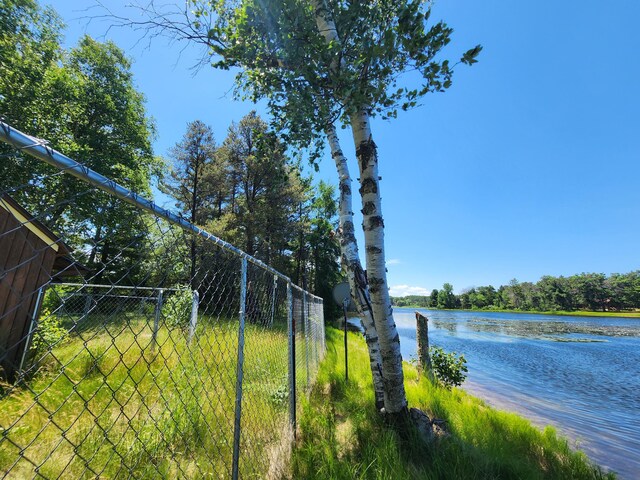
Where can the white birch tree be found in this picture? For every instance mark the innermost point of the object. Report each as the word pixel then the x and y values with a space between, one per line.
pixel 320 60
pixel 350 259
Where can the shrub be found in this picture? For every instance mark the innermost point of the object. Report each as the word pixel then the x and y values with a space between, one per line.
pixel 54 295
pixel 47 333
pixel 176 309
pixel 449 367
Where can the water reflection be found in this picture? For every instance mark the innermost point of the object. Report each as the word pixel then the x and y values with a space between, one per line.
pixel 581 374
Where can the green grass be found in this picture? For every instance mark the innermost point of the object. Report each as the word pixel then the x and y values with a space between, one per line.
pixel 343 437
pixel 105 404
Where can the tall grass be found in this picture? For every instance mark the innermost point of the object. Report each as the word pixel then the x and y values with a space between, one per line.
pixel 107 404
pixel 342 436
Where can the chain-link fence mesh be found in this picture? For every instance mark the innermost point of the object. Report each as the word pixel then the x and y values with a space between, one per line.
pixel 135 345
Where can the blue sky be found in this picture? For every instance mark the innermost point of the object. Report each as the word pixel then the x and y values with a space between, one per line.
pixel 529 165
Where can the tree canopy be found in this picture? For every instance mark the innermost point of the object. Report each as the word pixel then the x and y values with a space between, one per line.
pixel 315 61
pixel 84 103
pixel 248 191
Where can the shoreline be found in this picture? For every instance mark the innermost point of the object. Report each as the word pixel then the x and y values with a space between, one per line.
pixel 501 403
pixel 561 313
pixel 342 436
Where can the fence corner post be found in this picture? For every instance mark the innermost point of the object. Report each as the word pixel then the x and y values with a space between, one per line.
pixel 239 370
pixel 32 327
pixel 194 314
pixel 88 300
pixel 156 321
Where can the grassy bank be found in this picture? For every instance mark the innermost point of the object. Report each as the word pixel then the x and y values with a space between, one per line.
pixel 567 313
pixel 342 436
pixel 107 404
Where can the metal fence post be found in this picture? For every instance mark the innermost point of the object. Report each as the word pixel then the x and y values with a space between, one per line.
pixel 319 321
pixel 291 326
pixel 324 336
pixel 194 314
pixel 239 370
pixel 273 300
pixel 156 321
pixel 88 300
pixel 32 326
pixel 305 316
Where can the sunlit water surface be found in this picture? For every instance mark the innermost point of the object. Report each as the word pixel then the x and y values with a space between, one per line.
pixel 580 374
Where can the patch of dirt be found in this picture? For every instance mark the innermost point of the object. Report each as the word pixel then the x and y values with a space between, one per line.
pixel 346 437
pixel 279 455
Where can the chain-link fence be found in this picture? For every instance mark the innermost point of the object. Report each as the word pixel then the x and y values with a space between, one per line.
pixel 134 344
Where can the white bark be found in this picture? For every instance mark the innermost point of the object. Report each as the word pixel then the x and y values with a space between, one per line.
pixel 351 263
pixel 395 399
pixel 324 21
pixel 326 27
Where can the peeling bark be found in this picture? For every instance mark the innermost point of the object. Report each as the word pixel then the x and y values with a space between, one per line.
pixel 369 208
pixel 395 400
pixel 351 263
pixel 351 259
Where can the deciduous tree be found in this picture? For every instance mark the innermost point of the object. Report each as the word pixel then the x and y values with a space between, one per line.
pixel 344 58
pixel 446 298
pixel 82 102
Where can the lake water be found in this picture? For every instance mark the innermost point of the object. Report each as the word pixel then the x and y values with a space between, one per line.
pixel 580 374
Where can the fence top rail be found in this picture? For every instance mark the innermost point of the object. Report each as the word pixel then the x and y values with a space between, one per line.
pixel 119 287
pixel 302 290
pixel 39 149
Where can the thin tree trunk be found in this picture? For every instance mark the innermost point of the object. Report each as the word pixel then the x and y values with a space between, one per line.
pixel 300 254
pixel 359 287
pixel 104 258
pixel 395 400
pixel 94 247
pixel 194 216
pixel 351 263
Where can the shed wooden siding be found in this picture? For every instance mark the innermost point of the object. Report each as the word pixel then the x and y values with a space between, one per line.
pixel 26 261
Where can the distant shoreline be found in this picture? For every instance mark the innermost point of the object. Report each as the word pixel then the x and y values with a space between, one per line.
pixel 578 313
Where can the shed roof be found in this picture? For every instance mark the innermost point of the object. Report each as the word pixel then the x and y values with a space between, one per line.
pixel 64 264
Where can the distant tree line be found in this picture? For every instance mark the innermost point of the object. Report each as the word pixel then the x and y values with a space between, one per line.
pixel 585 291
pixel 412 301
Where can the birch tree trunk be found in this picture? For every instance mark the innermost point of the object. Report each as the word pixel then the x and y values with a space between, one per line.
pixel 350 260
pixel 348 245
pixel 395 400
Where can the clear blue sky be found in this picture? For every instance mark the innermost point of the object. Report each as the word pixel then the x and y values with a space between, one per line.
pixel 529 165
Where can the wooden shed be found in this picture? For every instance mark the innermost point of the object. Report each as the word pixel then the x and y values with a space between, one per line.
pixel 31 256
